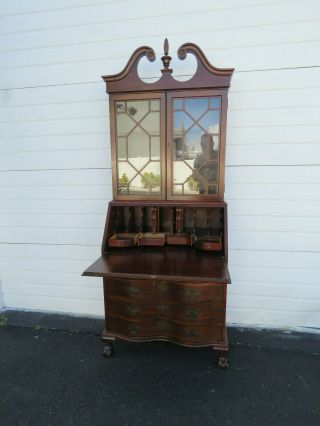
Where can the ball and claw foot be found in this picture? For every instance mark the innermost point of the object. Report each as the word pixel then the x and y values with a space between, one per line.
pixel 223 361
pixel 108 350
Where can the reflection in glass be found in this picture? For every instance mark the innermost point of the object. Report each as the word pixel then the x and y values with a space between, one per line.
pixel 138 147
pixel 196 106
pixel 178 103
pixel 182 121
pixel 214 102
pixel 196 134
pixel 210 121
pixel 150 177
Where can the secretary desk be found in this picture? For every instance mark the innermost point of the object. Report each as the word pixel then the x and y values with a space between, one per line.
pixel 164 257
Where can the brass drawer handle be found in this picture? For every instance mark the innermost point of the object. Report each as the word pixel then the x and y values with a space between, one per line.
pixel 132 310
pixel 132 290
pixel 162 307
pixel 191 333
pixel 192 314
pixel 163 325
pixel 192 294
pixel 163 287
pixel 133 329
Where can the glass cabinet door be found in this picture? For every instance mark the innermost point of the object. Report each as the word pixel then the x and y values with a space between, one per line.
pixel 194 132
pixel 138 130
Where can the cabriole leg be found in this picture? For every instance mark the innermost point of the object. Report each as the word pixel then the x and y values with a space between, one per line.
pixel 223 361
pixel 108 349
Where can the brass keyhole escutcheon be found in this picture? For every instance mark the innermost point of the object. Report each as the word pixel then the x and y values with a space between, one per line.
pixel 132 290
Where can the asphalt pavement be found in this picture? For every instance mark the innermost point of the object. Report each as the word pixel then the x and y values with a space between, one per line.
pixel 52 373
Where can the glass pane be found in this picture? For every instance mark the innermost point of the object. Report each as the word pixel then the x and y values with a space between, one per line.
pixel 155 105
pixel 182 170
pixel 191 186
pixel 196 106
pixel 181 121
pixel 148 181
pixel 177 103
pixel 138 146
pixel 177 189
pixel 210 122
pixel 125 171
pixel 150 177
pixel 193 142
pixel 214 102
pixel 120 107
pixel 195 147
pixel 151 123
pixel 124 124
pixel 122 149
pixel 125 174
pixel 135 186
pixel 137 109
pixel 155 148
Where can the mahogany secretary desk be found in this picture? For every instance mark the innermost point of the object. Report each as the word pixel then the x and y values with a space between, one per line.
pixel 165 245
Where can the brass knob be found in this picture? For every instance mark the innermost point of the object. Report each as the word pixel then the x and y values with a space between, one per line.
pixel 133 329
pixel 192 294
pixel 191 333
pixel 192 314
pixel 163 287
pixel 163 325
pixel 162 307
pixel 132 310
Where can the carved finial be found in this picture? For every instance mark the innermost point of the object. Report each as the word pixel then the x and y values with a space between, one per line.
pixel 166 46
pixel 166 59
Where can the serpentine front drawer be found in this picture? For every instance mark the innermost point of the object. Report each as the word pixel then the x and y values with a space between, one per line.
pixel 146 290
pixel 196 333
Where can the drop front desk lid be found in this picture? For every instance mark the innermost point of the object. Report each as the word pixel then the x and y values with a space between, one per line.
pixel 173 263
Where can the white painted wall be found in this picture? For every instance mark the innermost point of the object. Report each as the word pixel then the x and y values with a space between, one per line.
pixel 1 298
pixel 55 174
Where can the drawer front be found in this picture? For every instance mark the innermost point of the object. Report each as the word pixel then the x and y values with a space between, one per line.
pixel 165 309
pixel 151 291
pixel 130 289
pixel 157 328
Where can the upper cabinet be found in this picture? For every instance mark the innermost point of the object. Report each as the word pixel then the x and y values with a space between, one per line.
pixel 138 146
pixel 168 137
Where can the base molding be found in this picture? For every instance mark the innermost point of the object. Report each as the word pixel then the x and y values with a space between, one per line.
pixel 218 346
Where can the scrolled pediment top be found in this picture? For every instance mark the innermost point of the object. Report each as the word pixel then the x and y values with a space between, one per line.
pixel 192 48
pixel 132 64
pixel 206 75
